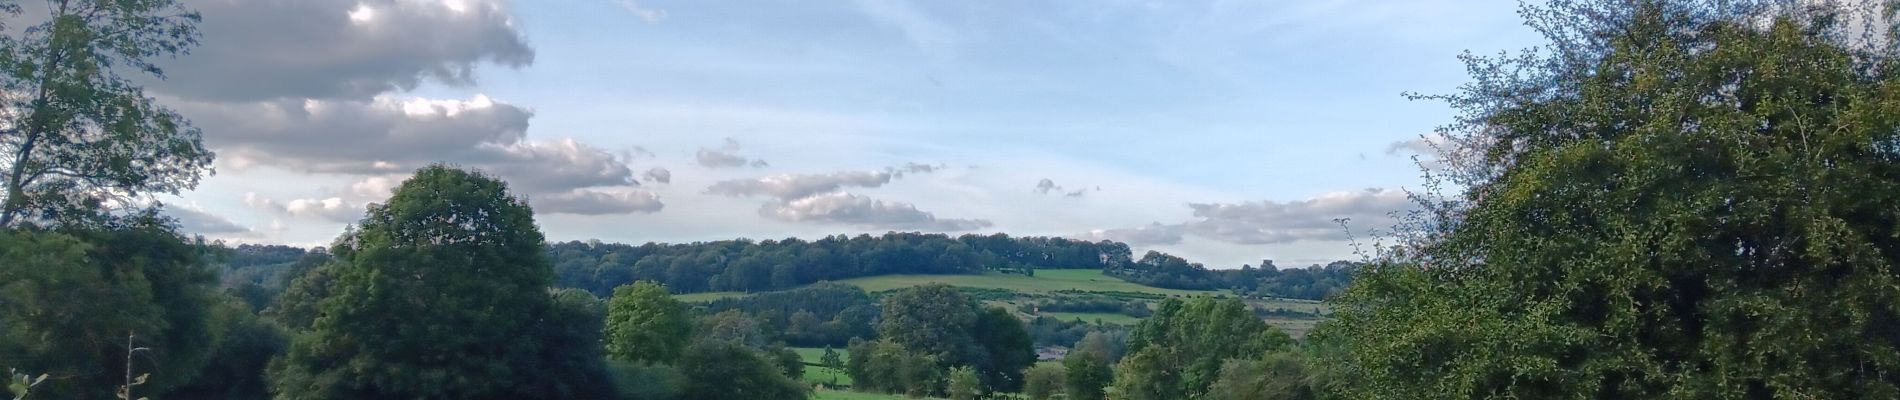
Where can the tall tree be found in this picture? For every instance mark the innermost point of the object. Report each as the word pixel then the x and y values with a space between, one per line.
pixel 1007 349
pixel 645 323
pixel 718 369
pixel 77 133
pixel 1184 345
pixel 1673 199
pixel 932 319
pixel 438 294
pixel 69 301
pixel 1085 375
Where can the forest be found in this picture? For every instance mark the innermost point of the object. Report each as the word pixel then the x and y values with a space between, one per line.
pixel 1667 199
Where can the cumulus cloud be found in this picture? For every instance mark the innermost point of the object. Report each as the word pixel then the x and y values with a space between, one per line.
pixel 866 212
pixel 387 136
pixel 334 209
pixel 256 50
pixel 1152 235
pixel 790 186
pixel 588 202
pixel 1272 222
pixel 726 156
pixel 200 222
pixel 1047 186
pixel 659 174
pixel 1268 222
pixel 376 187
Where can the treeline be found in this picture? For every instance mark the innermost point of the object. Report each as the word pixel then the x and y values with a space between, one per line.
pixel 820 315
pixel 1168 271
pixel 757 266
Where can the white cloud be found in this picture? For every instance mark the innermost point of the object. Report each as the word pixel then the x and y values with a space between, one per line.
pixel 790 186
pixel 726 156
pixel 658 174
pixel 195 221
pixel 589 202
pixel 1268 222
pixel 256 50
pixel 1151 235
pixel 864 212
pixel 650 15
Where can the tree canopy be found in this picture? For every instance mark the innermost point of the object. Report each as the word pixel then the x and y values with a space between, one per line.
pixel 78 134
pixel 1672 199
pixel 438 294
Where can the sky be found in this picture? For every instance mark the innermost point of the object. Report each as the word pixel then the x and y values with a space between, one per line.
pixel 1226 132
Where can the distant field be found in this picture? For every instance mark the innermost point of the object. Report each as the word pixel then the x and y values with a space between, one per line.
pixel 1112 318
pixel 1305 306
pixel 846 395
pixel 1297 328
pixel 825 376
pixel 1046 281
pixel 707 296
pixel 811 355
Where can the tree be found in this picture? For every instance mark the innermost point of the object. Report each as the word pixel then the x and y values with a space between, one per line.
pixel 235 370
pixel 964 384
pixel 77 133
pixel 831 360
pixel 1674 199
pixel 1006 348
pixel 571 366
pixel 438 294
pixel 1043 381
pixel 931 319
pixel 1278 376
pixel 1085 375
pixel 731 326
pixel 1182 347
pixel 645 323
pixel 1111 345
pixel 717 369
pixel 68 301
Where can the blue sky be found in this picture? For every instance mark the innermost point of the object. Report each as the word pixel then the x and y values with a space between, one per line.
pixel 1223 131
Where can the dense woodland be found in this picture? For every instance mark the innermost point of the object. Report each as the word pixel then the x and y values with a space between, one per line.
pixel 1670 199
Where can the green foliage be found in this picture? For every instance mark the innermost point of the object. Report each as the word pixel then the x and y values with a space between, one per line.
pixel 731 326
pixel 887 367
pixel 831 359
pixel 68 300
pixel 757 266
pixel 644 323
pixel 1111 345
pixel 1179 351
pixel 964 384
pixel 78 134
pixel 933 320
pixel 717 369
pixel 822 314
pixel 441 293
pixel 1678 199
pixel 1278 376
pixel 1006 349
pixel 1085 375
pixel 1043 381
pixel 246 344
pixel 788 361
pixel 646 381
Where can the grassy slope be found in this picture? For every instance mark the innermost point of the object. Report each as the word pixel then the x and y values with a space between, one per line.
pixel 1045 281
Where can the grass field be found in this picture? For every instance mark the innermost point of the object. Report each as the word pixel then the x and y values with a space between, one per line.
pixel 1046 281
pixel 707 296
pixel 846 395
pixel 811 355
pixel 1112 318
